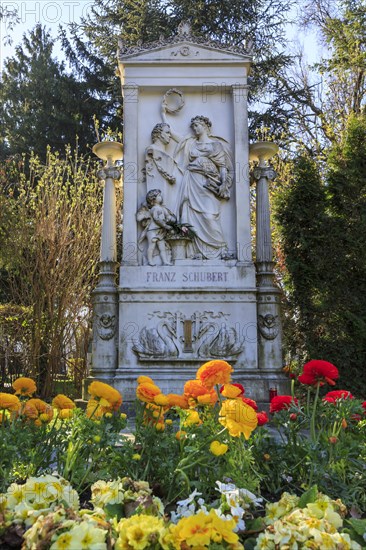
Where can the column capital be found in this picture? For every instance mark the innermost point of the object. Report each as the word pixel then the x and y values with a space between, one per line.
pixel 109 173
pixel 267 172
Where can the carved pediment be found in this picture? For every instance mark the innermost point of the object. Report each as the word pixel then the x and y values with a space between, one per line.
pixel 182 47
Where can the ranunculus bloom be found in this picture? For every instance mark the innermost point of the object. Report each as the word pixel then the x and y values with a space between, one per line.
pixel 144 379
pixel 194 388
pixel 218 448
pixel 147 392
pixel 95 409
pixel 333 396
pixel 364 405
pixel 24 386
pixel 262 418
pixel 62 402
pixel 192 419
pixel 318 372
pixel 280 402
pixel 214 372
pixel 238 418
pixel 161 400
pixel 38 411
pixel 231 391
pixel 100 390
pixel 9 402
pixel 237 385
pixel 209 398
pixel 250 402
pixel 176 400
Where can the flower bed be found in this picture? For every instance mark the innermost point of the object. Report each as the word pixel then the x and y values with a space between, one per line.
pixel 204 469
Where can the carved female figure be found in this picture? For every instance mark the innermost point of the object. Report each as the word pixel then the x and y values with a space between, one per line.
pixel 206 181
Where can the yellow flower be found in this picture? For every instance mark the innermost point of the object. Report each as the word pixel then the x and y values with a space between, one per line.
pixel 9 402
pixel 100 390
pixel 86 536
pixel 191 419
pixel 161 400
pixel 218 448
pixel 214 372
pixel 64 414
pixel 97 438
pixel 231 391
pixel 123 416
pixel 62 402
pixel 238 417
pixel 160 426
pixel 138 532
pixel 136 456
pixel 24 386
pixel 223 529
pixel 168 422
pixel 194 531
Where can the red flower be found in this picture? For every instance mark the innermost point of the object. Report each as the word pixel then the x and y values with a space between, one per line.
pixel 318 372
pixel 262 418
pixel 240 386
pixel 364 405
pixel 333 396
pixel 250 402
pixel 281 402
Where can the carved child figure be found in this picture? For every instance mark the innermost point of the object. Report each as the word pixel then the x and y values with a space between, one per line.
pixel 157 219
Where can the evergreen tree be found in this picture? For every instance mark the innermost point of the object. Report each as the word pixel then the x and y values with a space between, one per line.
pixel 42 105
pixel 322 230
pixel 259 24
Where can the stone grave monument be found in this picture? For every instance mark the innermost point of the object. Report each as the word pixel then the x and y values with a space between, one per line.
pixel 188 289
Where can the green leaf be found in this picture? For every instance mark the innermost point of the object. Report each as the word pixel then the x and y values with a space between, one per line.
pixel 309 496
pixel 359 525
pixel 115 511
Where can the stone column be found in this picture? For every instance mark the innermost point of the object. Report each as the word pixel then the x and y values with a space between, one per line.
pixel 268 305
pixel 105 296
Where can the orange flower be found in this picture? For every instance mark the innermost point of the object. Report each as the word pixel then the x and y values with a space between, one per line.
pixel 144 379
pixel 194 388
pixel 209 398
pixel 176 400
pixel 181 434
pixel 101 391
pixel 24 386
pixel 214 372
pixel 38 411
pixel 147 392
pixel 62 402
pixel 9 402
pixel 238 417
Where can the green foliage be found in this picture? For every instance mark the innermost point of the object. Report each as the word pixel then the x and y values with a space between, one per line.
pixel 42 104
pixel 322 228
